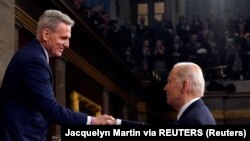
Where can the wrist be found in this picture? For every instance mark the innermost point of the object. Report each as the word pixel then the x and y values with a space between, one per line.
pixel 92 122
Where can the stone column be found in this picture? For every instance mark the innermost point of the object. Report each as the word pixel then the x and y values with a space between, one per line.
pixel 59 82
pixel 120 10
pixel 169 10
pixel 182 7
pixel 7 34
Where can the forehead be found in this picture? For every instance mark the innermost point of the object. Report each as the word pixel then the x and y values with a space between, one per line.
pixel 173 71
pixel 172 74
pixel 63 29
pixel 62 26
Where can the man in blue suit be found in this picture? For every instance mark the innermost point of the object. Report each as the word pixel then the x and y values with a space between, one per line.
pixel 27 101
pixel 184 90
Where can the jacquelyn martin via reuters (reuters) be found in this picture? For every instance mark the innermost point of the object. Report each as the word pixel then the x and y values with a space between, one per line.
pixel 103 132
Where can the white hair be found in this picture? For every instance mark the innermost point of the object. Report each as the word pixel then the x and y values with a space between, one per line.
pixel 50 19
pixel 194 73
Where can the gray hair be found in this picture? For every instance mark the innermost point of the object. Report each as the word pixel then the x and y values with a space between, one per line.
pixel 51 18
pixel 193 72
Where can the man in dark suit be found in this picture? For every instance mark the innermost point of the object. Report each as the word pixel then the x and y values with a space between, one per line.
pixel 27 101
pixel 184 90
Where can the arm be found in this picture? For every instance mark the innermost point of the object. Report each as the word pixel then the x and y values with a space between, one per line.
pixel 125 122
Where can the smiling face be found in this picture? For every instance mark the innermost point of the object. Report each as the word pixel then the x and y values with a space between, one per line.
pixel 56 41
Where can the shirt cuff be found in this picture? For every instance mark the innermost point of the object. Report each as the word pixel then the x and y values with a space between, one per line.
pixel 88 120
pixel 118 121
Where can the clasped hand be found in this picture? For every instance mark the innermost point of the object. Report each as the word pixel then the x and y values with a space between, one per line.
pixel 103 120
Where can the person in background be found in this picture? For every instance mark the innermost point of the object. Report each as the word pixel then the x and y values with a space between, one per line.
pixel 184 90
pixel 27 102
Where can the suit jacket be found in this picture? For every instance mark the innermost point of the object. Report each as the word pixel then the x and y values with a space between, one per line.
pixel 196 114
pixel 131 122
pixel 27 101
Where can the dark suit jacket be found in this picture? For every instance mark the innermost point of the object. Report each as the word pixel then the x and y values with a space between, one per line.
pixel 27 100
pixel 131 122
pixel 197 114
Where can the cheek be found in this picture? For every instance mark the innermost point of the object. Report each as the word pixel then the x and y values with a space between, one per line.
pixel 59 42
pixel 171 87
pixel 56 51
pixel 66 43
pixel 174 90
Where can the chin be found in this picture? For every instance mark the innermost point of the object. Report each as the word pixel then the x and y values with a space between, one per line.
pixel 58 54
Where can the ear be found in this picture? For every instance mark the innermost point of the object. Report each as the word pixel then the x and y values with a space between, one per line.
pixel 184 85
pixel 45 34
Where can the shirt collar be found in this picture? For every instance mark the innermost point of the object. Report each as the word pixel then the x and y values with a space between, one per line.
pixel 46 53
pixel 184 107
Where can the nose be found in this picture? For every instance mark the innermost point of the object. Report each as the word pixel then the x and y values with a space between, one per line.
pixel 66 44
pixel 165 88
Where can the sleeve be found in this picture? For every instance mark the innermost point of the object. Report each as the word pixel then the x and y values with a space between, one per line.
pixel 37 77
pixel 131 122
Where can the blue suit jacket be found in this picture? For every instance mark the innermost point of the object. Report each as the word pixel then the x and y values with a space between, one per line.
pixel 197 114
pixel 132 122
pixel 27 100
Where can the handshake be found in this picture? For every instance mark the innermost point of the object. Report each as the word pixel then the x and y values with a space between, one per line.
pixel 104 120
